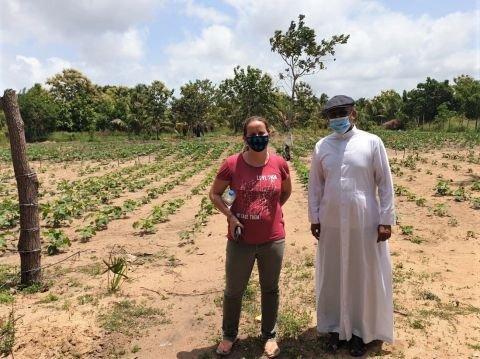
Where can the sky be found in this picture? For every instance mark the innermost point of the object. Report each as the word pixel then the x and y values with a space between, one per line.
pixel 394 44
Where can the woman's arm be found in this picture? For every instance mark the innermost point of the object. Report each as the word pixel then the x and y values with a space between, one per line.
pixel 216 191
pixel 286 190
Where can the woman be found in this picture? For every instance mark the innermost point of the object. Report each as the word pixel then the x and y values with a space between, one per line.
pixel 262 185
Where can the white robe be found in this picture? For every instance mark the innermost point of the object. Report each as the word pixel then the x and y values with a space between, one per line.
pixel 353 271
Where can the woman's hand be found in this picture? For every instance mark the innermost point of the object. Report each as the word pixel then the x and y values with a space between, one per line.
pixel 233 223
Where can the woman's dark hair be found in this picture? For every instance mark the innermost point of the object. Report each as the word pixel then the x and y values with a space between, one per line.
pixel 255 118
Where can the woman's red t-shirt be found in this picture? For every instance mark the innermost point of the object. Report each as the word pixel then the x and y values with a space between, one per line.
pixel 257 203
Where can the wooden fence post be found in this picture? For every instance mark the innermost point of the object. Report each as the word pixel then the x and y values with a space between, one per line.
pixel 29 245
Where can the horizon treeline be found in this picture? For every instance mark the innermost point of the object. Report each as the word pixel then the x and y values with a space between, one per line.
pixel 69 101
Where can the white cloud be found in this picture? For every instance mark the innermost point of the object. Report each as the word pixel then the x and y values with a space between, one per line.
pixel 386 49
pixel 114 46
pixel 205 13
pixel 211 55
pixel 106 38
pixel 29 70
pixel 53 20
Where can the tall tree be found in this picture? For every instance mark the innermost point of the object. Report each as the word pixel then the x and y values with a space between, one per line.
pixel 301 53
pixel 77 96
pixel 139 114
pixel 250 92
pixel 195 103
pixel 386 106
pixel 423 101
pixel 467 95
pixel 307 106
pixel 120 106
pixel 158 99
pixel 39 112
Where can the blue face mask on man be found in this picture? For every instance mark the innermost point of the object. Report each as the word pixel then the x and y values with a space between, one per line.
pixel 340 124
pixel 257 143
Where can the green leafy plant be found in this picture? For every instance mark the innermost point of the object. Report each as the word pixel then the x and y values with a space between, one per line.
pixel 453 222
pixel 440 210
pixel 471 234
pixel 117 267
pixel 475 202
pixel 147 225
pixel 442 188
pixel 407 230
pixel 420 202
pixel 57 240
pixel 86 233
pixel 476 186
pixel 7 334
pixel 416 240
pixel 459 194
pixel 9 214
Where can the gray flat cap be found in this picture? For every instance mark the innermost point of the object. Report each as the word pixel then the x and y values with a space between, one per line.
pixel 338 101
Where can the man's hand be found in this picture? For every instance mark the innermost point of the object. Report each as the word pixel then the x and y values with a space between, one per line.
pixel 315 229
pixel 384 232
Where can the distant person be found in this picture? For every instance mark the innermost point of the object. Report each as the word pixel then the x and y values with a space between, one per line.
pixel 262 185
pixel 198 129
pixel 353 269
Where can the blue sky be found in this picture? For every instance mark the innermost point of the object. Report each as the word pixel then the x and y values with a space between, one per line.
pixel 393 44
pixel 429 7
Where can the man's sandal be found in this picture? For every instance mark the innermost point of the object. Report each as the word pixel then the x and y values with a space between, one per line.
pixel 334 343
pixel 271 353
pixel 357 347
pixel 222 352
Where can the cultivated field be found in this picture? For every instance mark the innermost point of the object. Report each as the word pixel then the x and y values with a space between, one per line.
pixel 143 208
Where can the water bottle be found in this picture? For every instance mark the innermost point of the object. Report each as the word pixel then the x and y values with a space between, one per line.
pixel 228 197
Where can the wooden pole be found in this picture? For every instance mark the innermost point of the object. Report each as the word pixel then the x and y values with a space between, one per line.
pixel 27 185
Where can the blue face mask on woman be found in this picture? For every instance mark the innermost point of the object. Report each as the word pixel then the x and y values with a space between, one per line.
pixel 257 143
pixel 340 124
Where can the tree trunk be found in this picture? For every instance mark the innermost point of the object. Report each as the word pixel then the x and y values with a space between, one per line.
pixel 291 113
pixel 27 185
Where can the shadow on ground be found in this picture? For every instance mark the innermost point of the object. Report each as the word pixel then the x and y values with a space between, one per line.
pixel 307 345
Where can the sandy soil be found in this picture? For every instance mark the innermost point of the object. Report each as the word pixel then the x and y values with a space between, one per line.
pixel 172 298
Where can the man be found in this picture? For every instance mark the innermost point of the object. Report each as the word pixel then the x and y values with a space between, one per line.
pixel 353 269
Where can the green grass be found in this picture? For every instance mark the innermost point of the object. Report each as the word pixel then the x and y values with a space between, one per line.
pixel 416 240
pixel 125 316
pixel 87 299
pixel 8 276
pixel 418 324
pixel 92 269
pixel 448 311
pixel 7 334
pixel 293 321
pixel 63 136
pixel 49 298
pixel 6 297
pixel 34 288
pixel 427 295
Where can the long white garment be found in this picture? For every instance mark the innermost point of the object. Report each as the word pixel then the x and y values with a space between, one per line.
pixel 353 271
